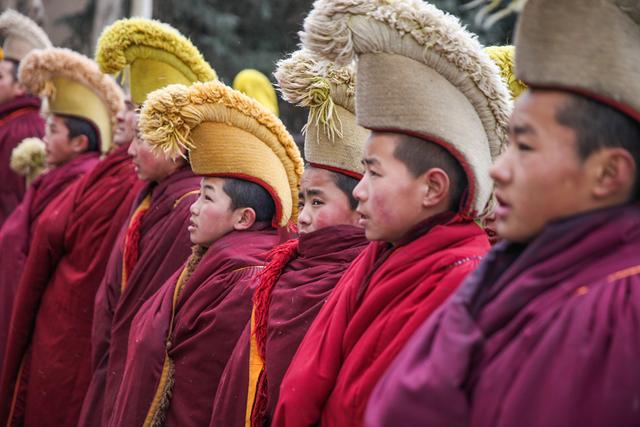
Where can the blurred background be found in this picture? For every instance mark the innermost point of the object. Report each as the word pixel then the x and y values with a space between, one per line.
pixel 231 34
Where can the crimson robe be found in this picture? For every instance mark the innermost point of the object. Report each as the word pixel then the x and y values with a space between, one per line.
pixel 541 335
pixel 162 245
pixel 19 119
pixel 377 305
pixel 305 272
pixel 183 336
pixel 46 370
pixel 16 232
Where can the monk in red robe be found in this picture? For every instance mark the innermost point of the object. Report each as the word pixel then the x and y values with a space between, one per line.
pixel 302 272
pixel 182 337
pixel 46 368
pixel 19 119
pixel 421 190
pixel 545 332
pixel 149 250
pixel 71 151
pixel 155 241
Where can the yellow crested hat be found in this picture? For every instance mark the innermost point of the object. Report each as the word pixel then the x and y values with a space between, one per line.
pixel 21 35
pixel 421 73
pixel 333 139
pixel 257 86
pixel 73 85
pixel 503 56
pixel 227 134
pixel 153 54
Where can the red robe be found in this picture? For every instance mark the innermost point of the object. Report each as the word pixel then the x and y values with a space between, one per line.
pixel 15 234
pixel 19 119
pixel 377 305
pixel 540 335
pixel 157 234
pixel 305 271
pixel 46 370
pixel 183 336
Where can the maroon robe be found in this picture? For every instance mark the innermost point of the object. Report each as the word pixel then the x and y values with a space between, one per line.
pixel 304 281
pixel 183 336
pixel 542 335
pixel 46 370
pixel 19 119
pixel 163 246
pixel 377 305
pixel 15 234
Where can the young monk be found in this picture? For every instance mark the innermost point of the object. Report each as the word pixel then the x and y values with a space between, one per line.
pixel 436 107
pixel 19 110
pixel 302 272
pixel 154 242
pixel 182 337
pixel 545 332
pixel 71 150
pixel 46 364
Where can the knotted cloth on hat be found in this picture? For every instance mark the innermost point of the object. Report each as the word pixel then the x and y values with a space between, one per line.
pixel 21 35
pixel 589 47
pixel 156 53
pixel 333 139
pixel 257 86
pixel 227 134
pixel 73 85
pixel 503 56
pixel 421 73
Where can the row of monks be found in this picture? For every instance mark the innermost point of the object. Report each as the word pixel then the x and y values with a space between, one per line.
pixel 441 257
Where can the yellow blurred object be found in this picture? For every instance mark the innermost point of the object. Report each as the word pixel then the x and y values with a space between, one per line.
pixel 504 57
pixel 28 158
pixel 257 86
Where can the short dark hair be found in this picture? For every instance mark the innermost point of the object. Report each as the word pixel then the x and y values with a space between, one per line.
pixel 346 184
pixel 79 127
pixel 420 155
pixel 246 194
pixel 599 126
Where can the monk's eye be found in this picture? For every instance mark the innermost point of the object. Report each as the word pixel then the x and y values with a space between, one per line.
pixel 317 202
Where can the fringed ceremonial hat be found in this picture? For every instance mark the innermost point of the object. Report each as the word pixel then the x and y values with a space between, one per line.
pixel 503 56
pixel 73 85
pixel 227 134
pixel 21 35
pixel 153 54
pixel 28 158
pixel 419 72
pixel 333 139
pixel 588 47
pixel 257 86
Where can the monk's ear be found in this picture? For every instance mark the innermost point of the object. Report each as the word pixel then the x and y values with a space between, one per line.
pixel 435 187
pixel 244 219
pixel 615 174
pixel 80 143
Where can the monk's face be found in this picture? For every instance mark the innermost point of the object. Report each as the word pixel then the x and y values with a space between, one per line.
pixel 321 203
pixel 9 87
pixel 126 124
pixel 390 201
pixel 59 147
pixel 150 165
pixel 211 214
pixel 540 177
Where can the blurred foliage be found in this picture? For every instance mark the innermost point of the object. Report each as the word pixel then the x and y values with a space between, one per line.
pixel 233 35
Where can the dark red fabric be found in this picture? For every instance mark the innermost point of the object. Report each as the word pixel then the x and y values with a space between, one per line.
pixel 19 119
pixel 163 247
pixel 212 309
pixel 15 234
pixel 305 281
pixel 53 310
pixel 377 305
pixel 543 335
